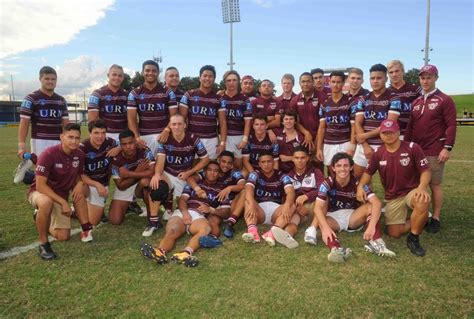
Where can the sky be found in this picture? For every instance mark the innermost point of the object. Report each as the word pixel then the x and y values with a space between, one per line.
pixel 80 39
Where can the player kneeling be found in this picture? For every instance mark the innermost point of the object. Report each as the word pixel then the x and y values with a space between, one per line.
pixel 264 192
pixel 191 218
pixel 337 209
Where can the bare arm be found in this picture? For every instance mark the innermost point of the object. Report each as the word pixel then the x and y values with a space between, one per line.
pixel 132 121
pixel 92 115
pixel 246 162
pixel 275 121
pixel 22 133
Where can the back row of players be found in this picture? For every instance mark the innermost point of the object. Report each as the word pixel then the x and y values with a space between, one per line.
pixel 150 142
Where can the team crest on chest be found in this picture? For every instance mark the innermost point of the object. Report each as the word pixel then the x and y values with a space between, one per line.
pixel 432 106
pixel 405 161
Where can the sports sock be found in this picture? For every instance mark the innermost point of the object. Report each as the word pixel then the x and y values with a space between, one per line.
pixel 188 250
pixel 333 243
pixel 86 226
pixel 252 228
pixel 377 233
pixel 232 219
pixel 153 221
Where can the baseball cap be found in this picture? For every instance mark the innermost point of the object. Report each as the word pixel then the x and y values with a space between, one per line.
pixel 161 193
pixel 429 68
pixel 389 126
pixel 248 77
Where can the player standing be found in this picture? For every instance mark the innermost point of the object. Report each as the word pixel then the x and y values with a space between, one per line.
pixel 318 78
pixel 288 138
pixel 247 87
pixel 172 82
pixel 287 84
pixel 266 104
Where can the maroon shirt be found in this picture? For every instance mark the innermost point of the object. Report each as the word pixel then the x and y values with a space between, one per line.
pixel 254 148
pixel 307 183
pixel 285 102
pixel 433 123
pixel 287 147
pixel 308 110
pixel 354 98
pixel 269 189
pixel 337 116
pixel 238 110
pixel 325 92
pixel 406 94
pixel 399 171
pixel 212 190
pixel 46 114
pixel 180 155
pixel 339 197
pixel 96 162
pixel 267 107
pixel 152 108
pixel 178 93
pixel 375 109
pixel 112 107
pixel 130 163
pixel 61 170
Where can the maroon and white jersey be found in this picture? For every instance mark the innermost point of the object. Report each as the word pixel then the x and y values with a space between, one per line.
pixel 202 112
pixel 212 190
pixel 267 107
pixel 325 92
pixel 341 197
pixel 130 163
pixel 180 155
pixel 61 170
pixel 152 108
pixel 375 109
pixel 354 98
pixel 269 189
pixel 238 110
pixel 433 122
pixel 46 114
pixel 178 94
pixel 337 116
pixel 112 107
pixel 97 164
pixel 286 146
pixel 308 110
pixel 406 94
pixel 251 96
pixel 307 183
pixel 399 171
pixel 285 102
pixel 255 148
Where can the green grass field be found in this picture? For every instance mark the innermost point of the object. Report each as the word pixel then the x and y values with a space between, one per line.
pixel 465 101
pixel 109 278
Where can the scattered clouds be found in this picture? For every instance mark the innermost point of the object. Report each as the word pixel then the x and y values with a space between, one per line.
pixel 267 4
pixel 27 25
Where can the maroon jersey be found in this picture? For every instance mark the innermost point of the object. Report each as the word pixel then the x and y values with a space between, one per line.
pixel 46 114
pixel 267 107
pixel 433 122
pixel 406 94
pixel 179 94
pixel 212 190
pixel 112 107
pixel 285 102
pixel 130 163
pixel 254 148
pixel 354 98
pixel 152 108
pixel 202 112
pixel 325 92
pixel 399 171
pixel 61 170
pixel 287 147
pixel 341 197
pixel 308 110
pixel 307 183
pixel 337 116
pixel 180 155
pixel 375 109
pixel 96 162
pixel 269 189
pixel 231 178
pixel 238 110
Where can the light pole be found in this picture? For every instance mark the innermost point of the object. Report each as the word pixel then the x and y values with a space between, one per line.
pixel 231 14
pixel 427 48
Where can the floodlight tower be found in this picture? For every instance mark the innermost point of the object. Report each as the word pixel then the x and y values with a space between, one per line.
pixel 231 14
pixel 427 48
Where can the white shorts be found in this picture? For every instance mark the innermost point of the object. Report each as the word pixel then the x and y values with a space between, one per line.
pixel 151 141
pixel 329 150
pixel 94 198
pixel 359 156
pixel 232 145
pixel 115 136
pixel 194 214
pixel 342 217
pixel 269 209
pixel 126 195
pixel 176 184
pixel 38 146
pixel 211 145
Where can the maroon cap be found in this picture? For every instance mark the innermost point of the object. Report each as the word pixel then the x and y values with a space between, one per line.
pixel 431 69
pixel 389 126
pixel 248 77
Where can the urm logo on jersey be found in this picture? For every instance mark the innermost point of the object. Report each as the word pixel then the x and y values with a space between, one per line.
pixel 373 115
pixel 202 110
pixel 113 108
pixel 179 160
pixel 151 107
pixel 50 113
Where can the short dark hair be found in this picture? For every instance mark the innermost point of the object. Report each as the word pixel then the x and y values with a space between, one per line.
pixel 260 116
pixel 208 68
pixel 150 62
pixel 301 148
pixel 378 68
pixel 98 123
pixel 317 70
pixel 126 133
pixel 227 153
pixel 267 80
pixel 171 68
pixel 339 74
pixel 47 70
pixel 72 127
pixel 265 153
pixel 290 112
pixel 339 156
pixel 212 162
pixel 306 74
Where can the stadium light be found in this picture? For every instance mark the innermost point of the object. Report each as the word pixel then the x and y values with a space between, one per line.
pixel 427 48
pixel 231 14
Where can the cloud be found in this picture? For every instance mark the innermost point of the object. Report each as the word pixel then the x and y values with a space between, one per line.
pixel 267 4
pixel 28 25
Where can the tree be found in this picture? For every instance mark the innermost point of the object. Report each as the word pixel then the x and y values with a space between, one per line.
pixel 192 82
pixel 137 80
pixel 412 76
pixel 127 82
